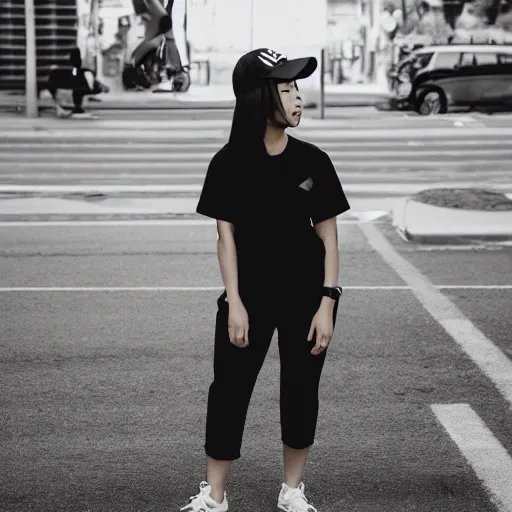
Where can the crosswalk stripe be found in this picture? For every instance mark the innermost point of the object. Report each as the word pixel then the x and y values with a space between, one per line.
pixel 182 156
pixel 348 176
pixel 340 133
pixel 399 144
pixel 186 124
pixel 170 165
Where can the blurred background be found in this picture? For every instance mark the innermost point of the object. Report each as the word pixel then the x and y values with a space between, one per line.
pixel 363 38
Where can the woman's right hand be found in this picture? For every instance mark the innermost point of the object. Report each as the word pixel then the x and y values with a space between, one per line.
pixel 238 324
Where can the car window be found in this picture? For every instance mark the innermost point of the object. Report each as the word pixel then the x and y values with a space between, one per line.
pixel 467 59
pixel 424 59
pixel 485 58
pixel 505 58
pixel 447 60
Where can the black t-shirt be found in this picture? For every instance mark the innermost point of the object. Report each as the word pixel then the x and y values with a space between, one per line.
pixel 274 204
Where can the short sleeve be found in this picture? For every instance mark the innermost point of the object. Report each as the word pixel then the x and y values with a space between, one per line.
pixel 327 196
pixel 216 199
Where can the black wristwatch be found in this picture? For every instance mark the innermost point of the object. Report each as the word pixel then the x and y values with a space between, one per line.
pixel 334 292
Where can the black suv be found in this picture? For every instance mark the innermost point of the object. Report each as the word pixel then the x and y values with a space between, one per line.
pixel 434 78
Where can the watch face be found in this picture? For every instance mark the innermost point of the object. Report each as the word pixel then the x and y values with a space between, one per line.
pixel 336 292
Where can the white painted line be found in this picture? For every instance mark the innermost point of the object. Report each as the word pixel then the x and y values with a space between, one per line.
pixel 109 288
pixel 397 177
pixel 475 287
pixel 487 246
pixel 206 288
pixel 488 458
pixel 366 161
pixel 154 288
pixel 346 131
pixel 77 158
pixel 487 356
pixel 197 146
pixel 102 223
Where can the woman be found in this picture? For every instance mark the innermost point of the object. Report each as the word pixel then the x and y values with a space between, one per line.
pixel 265 188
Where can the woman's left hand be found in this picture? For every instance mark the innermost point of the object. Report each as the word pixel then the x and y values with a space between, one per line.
pixel 323 325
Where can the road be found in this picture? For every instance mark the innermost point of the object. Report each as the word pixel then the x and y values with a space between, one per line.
pixel 106 359
pixel 378 155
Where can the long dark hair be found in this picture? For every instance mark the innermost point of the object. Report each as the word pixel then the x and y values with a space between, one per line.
pixel 252 112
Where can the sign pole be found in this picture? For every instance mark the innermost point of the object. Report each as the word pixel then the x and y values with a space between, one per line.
pixel 31 109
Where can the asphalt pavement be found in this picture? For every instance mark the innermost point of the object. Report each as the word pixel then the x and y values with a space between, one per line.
pixel 107 341
pixel 107 353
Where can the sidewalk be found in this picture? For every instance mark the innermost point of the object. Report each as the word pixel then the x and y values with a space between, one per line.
pixel 201 97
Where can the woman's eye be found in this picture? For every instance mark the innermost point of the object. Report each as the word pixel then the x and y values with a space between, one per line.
pixel 285 90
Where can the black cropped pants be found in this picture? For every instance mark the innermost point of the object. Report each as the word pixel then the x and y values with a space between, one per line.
pixel 236 370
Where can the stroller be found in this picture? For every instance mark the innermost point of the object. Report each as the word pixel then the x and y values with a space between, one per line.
pixel 157 60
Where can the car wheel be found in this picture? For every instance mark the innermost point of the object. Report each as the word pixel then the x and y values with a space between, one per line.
pixel 431 101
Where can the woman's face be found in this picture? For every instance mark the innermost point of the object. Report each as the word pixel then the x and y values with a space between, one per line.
pixel 292 103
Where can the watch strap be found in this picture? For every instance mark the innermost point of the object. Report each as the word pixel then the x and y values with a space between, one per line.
pixel 334 292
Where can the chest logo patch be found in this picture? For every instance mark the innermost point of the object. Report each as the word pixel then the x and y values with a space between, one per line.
pixel 307 184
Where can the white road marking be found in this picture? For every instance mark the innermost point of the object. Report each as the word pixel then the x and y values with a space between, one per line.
pixel 149 222
pixel 487 356
pixel 369 161
pixel 82 158
pixel 475 287
pixel 208 288
pixel 435 144
pixel 488 458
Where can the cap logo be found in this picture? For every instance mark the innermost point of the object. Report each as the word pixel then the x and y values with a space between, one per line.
pixel 271 58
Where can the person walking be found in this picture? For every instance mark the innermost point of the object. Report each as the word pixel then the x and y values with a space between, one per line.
pixel 275 199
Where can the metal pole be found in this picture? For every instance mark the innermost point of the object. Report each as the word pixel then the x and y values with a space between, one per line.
pixel 376 57
pixel 31 109
pixel 322 84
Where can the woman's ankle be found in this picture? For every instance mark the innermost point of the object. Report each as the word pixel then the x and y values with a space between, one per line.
pixel 217 495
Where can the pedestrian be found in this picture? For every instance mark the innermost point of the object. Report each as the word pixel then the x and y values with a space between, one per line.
pixel 275 199
pixel 79 80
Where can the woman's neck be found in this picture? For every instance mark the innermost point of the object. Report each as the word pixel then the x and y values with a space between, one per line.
pixel 275 139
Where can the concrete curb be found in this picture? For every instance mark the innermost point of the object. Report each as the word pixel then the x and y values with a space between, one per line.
pixel 427 224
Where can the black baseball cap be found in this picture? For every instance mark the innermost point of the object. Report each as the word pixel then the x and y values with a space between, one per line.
pixel 253 68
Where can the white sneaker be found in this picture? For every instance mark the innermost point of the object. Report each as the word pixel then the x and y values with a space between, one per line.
pixel 203 502
pixel 293 500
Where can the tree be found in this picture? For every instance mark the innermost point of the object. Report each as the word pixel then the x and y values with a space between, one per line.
pixel 487 10
pixel 470 18
pixel 505 21
pixel 427 20
pixel 434 24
